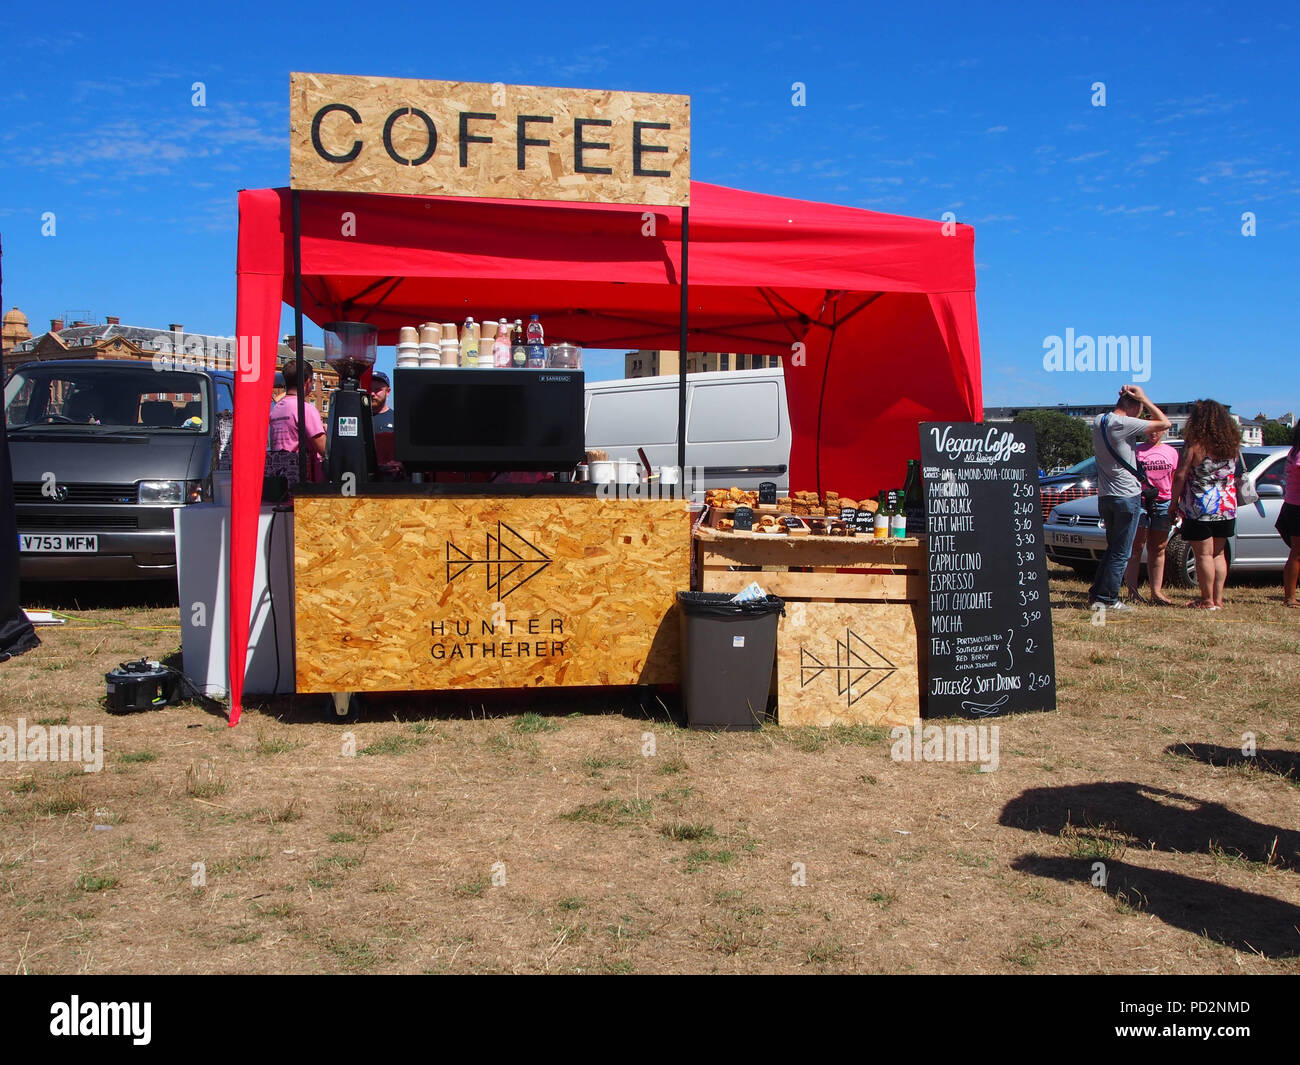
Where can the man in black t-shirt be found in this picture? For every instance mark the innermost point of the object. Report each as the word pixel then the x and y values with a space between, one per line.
pixel 381 414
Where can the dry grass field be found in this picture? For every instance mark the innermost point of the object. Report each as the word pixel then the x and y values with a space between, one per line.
pixel 546 837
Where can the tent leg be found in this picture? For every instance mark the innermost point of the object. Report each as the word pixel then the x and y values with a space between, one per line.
pixel 681 354
pixel 297 331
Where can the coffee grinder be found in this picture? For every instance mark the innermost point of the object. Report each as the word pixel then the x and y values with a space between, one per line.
pixel 350 440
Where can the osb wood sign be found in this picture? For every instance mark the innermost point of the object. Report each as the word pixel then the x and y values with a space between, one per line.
pixel 848 663
pixel 455 138
pixel 397 593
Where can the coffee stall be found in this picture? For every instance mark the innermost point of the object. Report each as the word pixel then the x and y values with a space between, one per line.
pixel 408 585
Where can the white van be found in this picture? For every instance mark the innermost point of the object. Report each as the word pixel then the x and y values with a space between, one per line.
pixel 737 424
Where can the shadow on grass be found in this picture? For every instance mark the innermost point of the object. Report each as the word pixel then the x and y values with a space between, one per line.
pixel 636 703
pixel 97 595
pixel 1282 763
pixel 1238 919
pixel 1153 818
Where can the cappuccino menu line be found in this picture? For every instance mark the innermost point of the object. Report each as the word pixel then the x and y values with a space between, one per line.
pixel 990 617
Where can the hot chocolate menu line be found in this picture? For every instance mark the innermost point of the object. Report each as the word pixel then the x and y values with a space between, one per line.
pixel 990 618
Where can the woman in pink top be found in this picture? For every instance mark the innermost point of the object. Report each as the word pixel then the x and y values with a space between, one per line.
pixel 282 439
pixel 1160 461
pixel 1288 522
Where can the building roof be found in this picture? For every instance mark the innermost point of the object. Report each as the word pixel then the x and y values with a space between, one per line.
pixel 1082 409
pixel 147 337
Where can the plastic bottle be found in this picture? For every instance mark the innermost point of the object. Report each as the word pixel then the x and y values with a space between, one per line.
pixel 469 339
pixel 880 523
pixel 501 346
pixel 536 344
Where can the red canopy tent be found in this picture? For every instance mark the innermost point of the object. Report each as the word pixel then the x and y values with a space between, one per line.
pixel 874 314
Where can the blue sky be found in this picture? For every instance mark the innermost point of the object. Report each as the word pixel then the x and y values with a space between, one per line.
pixel 1123 219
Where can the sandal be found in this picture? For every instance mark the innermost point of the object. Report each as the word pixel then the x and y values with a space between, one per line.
pixel 1159 600
pixel 1200 604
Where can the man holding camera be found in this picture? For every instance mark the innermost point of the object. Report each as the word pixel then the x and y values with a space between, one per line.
pixel 1119 491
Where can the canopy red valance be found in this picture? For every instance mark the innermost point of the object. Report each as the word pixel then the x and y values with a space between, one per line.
pixel 874 314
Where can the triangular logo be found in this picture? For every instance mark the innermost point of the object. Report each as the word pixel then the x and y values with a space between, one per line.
pixel 511 561
pixel 810 667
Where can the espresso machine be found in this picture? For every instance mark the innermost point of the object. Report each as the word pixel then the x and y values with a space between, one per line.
pixel 350 440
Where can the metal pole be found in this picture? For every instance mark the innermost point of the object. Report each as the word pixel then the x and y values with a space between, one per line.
pixel 681 354
pixel 297 330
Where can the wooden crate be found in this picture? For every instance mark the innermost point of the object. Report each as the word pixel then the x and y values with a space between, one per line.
pixel 435 593
pixel 851 648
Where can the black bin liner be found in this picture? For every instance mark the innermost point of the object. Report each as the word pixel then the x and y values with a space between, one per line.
pixel 728 649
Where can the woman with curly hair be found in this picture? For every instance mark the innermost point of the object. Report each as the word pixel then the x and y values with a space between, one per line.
pixel 1205 494
pixel 1288 522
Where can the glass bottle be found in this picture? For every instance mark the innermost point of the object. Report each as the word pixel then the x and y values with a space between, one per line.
pixel 914 499
pixel 880 524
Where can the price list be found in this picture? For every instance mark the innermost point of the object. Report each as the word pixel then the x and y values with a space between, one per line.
pixel 990 612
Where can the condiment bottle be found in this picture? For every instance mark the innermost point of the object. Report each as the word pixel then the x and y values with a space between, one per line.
pixel 469 338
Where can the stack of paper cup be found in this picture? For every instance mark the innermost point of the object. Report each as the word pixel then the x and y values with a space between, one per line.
pixel 450 344
pixel 428 347
pixel 408 346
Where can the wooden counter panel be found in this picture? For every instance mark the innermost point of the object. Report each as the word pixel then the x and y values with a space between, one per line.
pixel 848 649
pixel 448 593
pixel 848 663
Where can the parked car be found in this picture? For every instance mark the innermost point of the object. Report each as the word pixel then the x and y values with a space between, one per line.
pixel 737 424
pixel 1075 535
pixel 1071 483
pixel 104 452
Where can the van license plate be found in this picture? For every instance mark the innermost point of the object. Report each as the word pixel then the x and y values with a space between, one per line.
pixel 53 544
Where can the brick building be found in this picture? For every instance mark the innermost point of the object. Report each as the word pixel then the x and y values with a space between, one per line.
pixel 113 340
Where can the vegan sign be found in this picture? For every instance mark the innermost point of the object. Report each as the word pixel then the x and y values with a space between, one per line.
pixel 452 138
pixel 990 613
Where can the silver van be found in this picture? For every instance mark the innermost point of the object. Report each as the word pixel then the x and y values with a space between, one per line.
pixel 737 424
pixel 104 451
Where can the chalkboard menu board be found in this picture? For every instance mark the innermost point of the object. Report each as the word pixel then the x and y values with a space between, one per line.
pixel 990 611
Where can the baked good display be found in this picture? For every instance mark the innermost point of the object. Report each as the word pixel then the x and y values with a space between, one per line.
pixel 730 498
